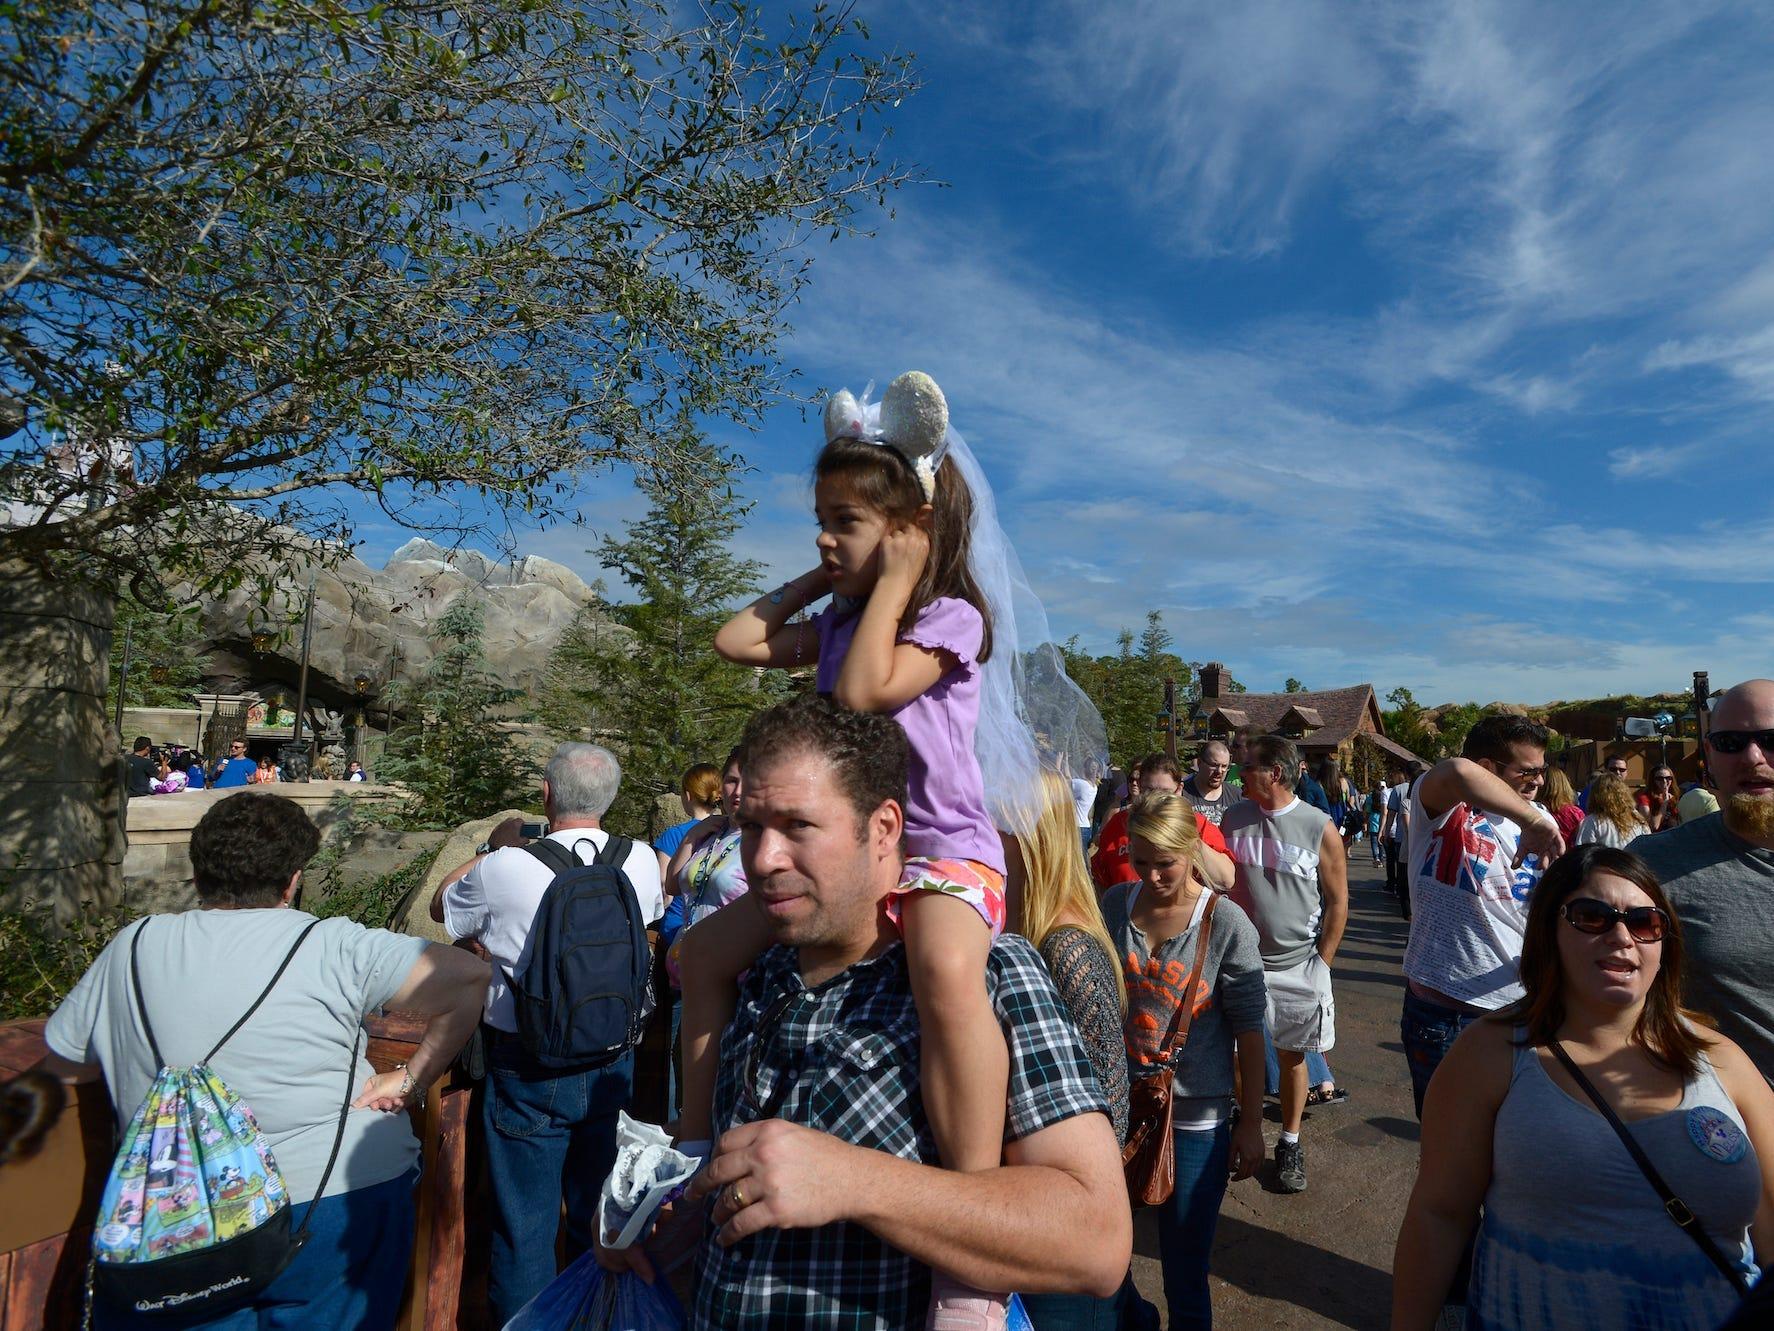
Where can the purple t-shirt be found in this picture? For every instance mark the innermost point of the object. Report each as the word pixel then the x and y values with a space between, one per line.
pixel 945 813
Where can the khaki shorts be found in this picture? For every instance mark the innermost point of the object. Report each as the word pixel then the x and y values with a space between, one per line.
pixel 1302 1010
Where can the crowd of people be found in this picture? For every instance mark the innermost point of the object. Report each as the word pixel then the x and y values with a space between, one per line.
pixel 154 769
pixel 933 1024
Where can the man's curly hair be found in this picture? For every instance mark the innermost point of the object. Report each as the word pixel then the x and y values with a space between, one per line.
pixel 245 848
pixel 867 751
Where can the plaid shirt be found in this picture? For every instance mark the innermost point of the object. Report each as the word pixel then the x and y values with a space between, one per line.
pixel 843 1058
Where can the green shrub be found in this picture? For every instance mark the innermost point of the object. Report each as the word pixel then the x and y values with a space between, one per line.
pixel 40 961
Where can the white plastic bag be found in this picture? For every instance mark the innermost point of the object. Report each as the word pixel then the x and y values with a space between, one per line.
pixel 647 1171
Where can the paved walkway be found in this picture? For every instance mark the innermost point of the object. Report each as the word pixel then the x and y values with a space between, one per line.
pixel 1324 1258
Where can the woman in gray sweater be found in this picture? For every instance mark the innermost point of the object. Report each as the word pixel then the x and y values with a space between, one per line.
pixel 1155 923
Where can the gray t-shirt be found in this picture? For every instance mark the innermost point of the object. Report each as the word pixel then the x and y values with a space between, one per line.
pixel 1276 856
pixel 1211 809
pixel 1722 888
pixel 200 972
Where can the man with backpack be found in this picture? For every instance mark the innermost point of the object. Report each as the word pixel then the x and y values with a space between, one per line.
pixel 563 921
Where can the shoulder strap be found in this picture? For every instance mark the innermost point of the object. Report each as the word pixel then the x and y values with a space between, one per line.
pixel 338 1137
pixel 135 980
pixel 1674 1206
pixel 1179 1024
pixel 555 856
pixel 276 976
pixel 615 852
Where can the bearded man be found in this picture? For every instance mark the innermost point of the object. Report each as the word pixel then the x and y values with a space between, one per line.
pixel 1719 873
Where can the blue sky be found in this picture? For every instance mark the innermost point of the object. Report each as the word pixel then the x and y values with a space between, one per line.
pixel 1421 344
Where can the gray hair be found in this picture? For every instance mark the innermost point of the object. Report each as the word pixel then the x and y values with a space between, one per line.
pixel 582 779
pixel 1275 751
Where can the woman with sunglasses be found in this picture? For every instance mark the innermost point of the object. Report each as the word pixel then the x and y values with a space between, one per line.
pixel 1659 803
pixel 1573 1233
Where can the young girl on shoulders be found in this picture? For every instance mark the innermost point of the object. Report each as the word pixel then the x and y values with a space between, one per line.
pixel 906 635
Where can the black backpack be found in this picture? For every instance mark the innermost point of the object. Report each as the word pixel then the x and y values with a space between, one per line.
pixel 586 993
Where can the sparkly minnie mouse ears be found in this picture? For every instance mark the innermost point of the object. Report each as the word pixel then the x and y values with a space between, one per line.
pixel 913 420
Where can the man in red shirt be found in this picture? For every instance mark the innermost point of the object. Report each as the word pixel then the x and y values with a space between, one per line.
pixel 1158 775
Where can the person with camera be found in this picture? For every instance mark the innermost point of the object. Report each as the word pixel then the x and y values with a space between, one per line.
pixel 550 1133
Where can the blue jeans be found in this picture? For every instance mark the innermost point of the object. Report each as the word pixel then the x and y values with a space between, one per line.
pixel 548 1135
pixel 348 1276
pixel 1075 1312
pixel 1317 1070
pixel 1428 1030
pixel 1186 1225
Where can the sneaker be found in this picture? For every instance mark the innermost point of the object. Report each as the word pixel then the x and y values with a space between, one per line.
pixel 1290 1166
pixel 1318 1097
pixel 958 1307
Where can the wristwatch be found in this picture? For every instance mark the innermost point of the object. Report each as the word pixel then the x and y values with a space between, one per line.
pixel 485 848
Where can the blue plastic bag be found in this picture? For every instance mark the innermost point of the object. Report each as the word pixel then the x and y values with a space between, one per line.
pixel 1017 1316
pixel 585 1297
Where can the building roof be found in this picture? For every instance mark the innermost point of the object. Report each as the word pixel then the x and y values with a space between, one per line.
pixel 1385 745
pixel 1329 716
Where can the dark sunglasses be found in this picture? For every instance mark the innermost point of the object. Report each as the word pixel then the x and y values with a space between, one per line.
pixel 1586 915
pixel 1736 741
pixel 765 1036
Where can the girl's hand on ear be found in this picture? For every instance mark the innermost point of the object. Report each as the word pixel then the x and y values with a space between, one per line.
pixel 904 552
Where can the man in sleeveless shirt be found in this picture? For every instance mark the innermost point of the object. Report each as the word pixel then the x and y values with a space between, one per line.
pixel 1476 845
pixel 1293 882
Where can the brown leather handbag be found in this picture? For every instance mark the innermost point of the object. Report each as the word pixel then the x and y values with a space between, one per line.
pixel 1149 1158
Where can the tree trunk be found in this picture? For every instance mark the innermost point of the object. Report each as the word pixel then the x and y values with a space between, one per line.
pixel 61 801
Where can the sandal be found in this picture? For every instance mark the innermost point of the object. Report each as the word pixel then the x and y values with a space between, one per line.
pixel 1319 1096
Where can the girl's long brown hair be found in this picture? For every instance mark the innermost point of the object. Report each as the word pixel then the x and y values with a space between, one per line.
pixel 879 477
pixel 1664 1028
pixel 1611 798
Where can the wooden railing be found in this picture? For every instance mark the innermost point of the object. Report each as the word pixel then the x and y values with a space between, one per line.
pixel 47 1202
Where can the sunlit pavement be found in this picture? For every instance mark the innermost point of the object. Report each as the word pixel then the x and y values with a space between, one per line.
pixel 1324 1258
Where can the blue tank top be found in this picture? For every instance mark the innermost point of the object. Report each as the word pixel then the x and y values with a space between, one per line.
pixel 1574 1235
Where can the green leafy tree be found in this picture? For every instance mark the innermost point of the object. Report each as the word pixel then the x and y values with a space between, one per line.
pixel 1293 686
pixel 451 750
pixel 1128 686
pixel 658 691
pixel 266 263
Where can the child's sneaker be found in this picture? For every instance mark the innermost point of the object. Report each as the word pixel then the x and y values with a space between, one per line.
pixel 958 1307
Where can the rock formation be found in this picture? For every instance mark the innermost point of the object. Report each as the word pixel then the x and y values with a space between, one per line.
pixel 376 622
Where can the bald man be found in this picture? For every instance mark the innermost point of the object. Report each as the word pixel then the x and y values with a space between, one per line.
pixel 1719 873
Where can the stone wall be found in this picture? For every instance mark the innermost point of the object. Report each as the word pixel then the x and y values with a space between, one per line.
pixel 157 866
pixel 61 836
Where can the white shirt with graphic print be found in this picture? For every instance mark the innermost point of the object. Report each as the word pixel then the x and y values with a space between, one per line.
pixel 1469 906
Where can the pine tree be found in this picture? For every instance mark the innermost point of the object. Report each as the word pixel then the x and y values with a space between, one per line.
pixel 165 668
pixel 452 752
pixel 658 693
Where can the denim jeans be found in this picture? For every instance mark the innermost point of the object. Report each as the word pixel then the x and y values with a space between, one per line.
pixel 1317 1070
pixel 548 1135
pixel 348 1276
pixel 1076 1312
pixel 1187 1221
pixel 1428 1030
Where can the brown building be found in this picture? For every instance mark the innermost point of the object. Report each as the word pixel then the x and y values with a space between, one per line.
pixel 1322 722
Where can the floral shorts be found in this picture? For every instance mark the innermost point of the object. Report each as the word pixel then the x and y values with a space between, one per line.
pixel 979 885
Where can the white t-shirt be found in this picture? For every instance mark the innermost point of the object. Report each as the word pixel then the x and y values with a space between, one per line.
pixel 1083 798
pixel 1469 907
pixel 1597 831
pixel 495 903
pixel 1398 800
pixel 201 970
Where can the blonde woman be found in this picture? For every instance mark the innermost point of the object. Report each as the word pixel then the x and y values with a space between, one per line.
pixel 1559 799
pixel 1155 923
pixel 1613 815
pixel 1059 916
